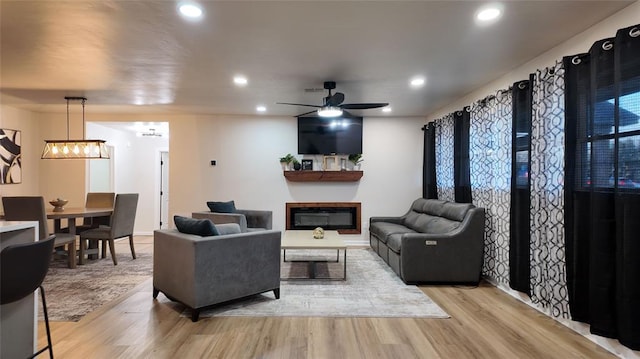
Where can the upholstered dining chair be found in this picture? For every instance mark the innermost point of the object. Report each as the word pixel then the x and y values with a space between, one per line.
pixel 95 200
pixel 18 280
pixel 122 222
pixel 32 208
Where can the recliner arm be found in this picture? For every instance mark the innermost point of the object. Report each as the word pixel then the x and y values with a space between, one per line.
pixel 454 256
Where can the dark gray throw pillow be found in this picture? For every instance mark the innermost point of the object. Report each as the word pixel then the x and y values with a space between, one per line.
pixel 222 207
pixel 199 227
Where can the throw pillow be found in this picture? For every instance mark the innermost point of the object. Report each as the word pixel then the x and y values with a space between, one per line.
pixel 200 227
pixel 222 207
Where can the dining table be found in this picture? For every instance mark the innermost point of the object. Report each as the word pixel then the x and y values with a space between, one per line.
pixel 71 214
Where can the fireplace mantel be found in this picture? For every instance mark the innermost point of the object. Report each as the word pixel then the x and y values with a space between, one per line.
pixel 323 176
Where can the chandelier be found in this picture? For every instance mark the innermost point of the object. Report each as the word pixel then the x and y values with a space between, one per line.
pixel 81 149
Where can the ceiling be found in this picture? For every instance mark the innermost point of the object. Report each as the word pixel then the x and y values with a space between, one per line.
pixel 142 57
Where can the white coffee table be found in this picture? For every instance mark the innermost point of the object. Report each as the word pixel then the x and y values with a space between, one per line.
pixel 301 239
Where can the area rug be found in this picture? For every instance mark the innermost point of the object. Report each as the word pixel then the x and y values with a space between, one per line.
pixel 72 293
pixel 372 289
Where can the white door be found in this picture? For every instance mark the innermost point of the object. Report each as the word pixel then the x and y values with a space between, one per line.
pixel 164 190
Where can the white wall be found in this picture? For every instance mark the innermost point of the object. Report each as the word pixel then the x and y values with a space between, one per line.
pixel 247 150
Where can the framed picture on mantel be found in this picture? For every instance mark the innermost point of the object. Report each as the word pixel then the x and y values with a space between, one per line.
pixel 330 163
pixel 307 165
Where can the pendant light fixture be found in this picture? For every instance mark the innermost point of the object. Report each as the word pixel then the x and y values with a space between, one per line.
pixel 81 149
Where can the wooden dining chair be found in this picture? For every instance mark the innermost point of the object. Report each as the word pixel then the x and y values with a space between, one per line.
pixel 122 222
pixel 32 208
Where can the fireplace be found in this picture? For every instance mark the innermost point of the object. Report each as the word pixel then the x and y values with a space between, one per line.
pixel 345 217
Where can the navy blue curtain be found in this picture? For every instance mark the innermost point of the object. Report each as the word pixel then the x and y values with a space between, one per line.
pixel 461 171
pixel 602 198
pixel 429 185
pixel 520 228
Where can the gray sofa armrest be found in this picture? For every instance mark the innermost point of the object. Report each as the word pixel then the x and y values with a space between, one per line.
pixel 257 218
pixel 456 256
pixel 202 271
pixel 219 218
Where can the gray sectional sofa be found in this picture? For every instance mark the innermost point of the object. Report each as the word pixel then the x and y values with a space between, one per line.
pixel 435 241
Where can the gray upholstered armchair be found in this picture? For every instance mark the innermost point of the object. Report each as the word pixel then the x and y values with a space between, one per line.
pixel 248 220
pixel 203 271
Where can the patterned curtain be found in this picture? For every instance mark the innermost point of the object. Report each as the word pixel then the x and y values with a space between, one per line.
pixel 444 157
pixel 490 165
pixel 548 265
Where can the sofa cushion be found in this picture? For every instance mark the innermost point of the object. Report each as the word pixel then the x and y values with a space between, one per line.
pixel 440 225
pixel 228 228
pixel 199 227
pixel 456 211
pixel 418 221
pixel 222 207
pixel 394 242
pixel 434 207
pixel 383 229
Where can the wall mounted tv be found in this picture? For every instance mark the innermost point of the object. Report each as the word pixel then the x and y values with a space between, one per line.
pixel 327 136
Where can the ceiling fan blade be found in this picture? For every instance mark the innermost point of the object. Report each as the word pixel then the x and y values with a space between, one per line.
pixel 363 106
pixel 306 113
pixel 336 99
pixel 296 104
pixel 347 114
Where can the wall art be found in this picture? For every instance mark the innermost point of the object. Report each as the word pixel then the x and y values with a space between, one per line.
pixel 10 156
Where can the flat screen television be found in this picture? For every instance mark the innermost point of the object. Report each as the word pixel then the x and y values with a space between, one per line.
pixel 328 136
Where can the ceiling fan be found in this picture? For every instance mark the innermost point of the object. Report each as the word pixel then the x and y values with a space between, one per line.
pixel 332 105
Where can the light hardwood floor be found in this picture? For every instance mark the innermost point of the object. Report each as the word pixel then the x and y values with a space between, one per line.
pixel 485 323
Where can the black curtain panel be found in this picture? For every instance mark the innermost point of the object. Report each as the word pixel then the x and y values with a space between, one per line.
pixel 520 237
pixel 429 185
pixel 603 147
pixel 461 172
pixel 577 183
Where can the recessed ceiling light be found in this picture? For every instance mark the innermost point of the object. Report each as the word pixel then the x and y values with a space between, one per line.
pixel 240 80
pixel 386 109
pixel 417 82
pixel 261 109
pixel 190 10
pixel 489 14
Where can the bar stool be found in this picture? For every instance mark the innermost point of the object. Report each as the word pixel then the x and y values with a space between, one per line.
pixel 22 270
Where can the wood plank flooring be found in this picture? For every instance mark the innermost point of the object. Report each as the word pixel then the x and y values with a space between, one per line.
pixel 485 323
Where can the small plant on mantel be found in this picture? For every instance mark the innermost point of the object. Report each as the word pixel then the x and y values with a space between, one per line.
pixel 356 159
pixel 286 161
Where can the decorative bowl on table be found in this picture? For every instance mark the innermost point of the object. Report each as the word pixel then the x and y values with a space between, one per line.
pixel 58 204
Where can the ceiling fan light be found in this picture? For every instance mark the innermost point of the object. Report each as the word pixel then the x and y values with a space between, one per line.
pixel 329 111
